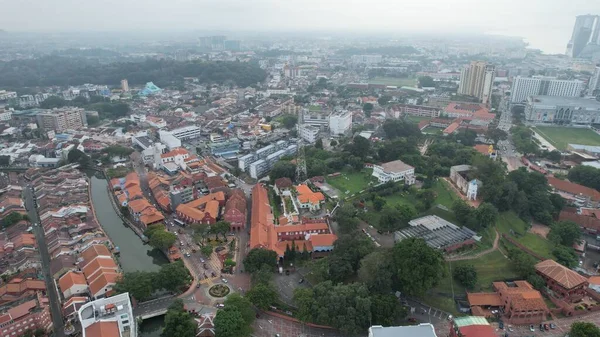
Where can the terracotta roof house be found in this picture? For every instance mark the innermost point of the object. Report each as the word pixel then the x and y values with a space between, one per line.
pixel 33 314
pixel 564 282
pixel 522 304
pixel 72 283
pixel 579 195
pixel 203 210
pixel 72 305
pixel 235 210
pixel 471 326
pixel 283 184
pixel 309 199
pixel 103 329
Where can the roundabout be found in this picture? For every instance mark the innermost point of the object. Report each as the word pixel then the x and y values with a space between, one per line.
pixel 219 290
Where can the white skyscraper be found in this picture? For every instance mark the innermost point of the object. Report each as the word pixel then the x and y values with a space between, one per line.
pixel 477 80
pixel 524 87
pixel 340 122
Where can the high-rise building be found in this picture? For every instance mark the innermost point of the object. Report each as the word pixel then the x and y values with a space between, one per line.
pixel 585 32
pixel 594 83
pixel 62 119
pixel 124 85
pixel 477 80
pixel 524 87
pixel 111 316
pixel 340 122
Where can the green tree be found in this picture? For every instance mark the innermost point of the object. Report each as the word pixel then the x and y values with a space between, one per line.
pixel 384 99
pixel 385 309
pixel 12 219
pixel 173 276
pixel 465 275
pixel 389 219
pixel 418 267
pixel 486 214
pixel 319 144
pixel 282 169
pixel 565 256
pixel 462 211
pixel 162 239
pixel 564 233
pixel 376 272
pixel 360 147
pixel 367 109
pixel 179 322
pixel 378 203
pixel 586 176
pixel 230 323
pixel 496 134
pixel 584 329
pixel 206 249
pixel 289 121
pixel 262 295
pixel 139 284
pixel 522 263
pixel 333 143
pixel 346 218
pixel 426 82
pixel 229 263
pixel 257 257
pixel 125 211
pixel 77 156
pixel 536 281
pixel 221 227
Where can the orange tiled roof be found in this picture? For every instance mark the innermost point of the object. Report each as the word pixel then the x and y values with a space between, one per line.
pixel 178 151
pixel 306 195
pixel 573 188
pixel 134 192
pixel 485 299
pixel 138 205
pixel 219 196
pixel 262 233
pixel 522 297
pixel 103 329
pixel 562 275
pixel 103 281
pixel 100 262
pixel 594 280
pixel 93 252
pixel 150 216
pixel 321 240
pixel 451 128
pixel 71 279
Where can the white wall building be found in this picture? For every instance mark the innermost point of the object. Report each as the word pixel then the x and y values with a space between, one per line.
pixel 594 83
pixel 308 133
pixel 5 115
pixel 523 87
pixel 340 122
pixel 367 59
pixel 395 170
pixel 167 138
pixel 187 132
pixel 112 316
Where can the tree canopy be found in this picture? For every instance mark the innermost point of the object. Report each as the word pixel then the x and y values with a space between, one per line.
pixel 418 267
pixel 179 322
pixel 282 169
pixel 64 71
pixel 465 275
pixel 564 233
pixel 584 329
pixel 257 257
pixel 235 319
pixel 586 176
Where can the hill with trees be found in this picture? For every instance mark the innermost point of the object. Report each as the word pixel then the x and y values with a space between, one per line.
pixel 65 71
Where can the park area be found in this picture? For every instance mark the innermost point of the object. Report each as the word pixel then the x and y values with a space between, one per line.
pixel 350 183
pixel 560 137
pixel 395 81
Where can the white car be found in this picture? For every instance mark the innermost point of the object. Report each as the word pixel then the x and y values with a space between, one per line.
pixel 224 280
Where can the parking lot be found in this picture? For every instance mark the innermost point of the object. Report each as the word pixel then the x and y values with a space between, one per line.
pixel 285 285
pixel 270 326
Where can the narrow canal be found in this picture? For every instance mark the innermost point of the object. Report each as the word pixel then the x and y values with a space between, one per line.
pixel 134 254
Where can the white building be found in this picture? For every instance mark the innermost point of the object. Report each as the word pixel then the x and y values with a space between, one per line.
pixel 5 115
pixel 421 330
pixel 187 132
pixel 112 316
pixel 523 87
pixel 308 133
pixel 594 83
pixel 562 110
pixel 340 122
pixel 367 59
pixel 124 85
pixel 167 138
pixel 6 95
pixel 395 170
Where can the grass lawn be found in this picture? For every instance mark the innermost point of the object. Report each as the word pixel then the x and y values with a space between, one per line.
pixel 397 81
pixel 349 183
pixel 417 119
pixel 445 196
pixel 433 131
pixel 490 268
pixel 509 220
pixel 561 136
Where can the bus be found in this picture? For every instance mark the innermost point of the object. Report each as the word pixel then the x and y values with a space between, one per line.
pixel 179 222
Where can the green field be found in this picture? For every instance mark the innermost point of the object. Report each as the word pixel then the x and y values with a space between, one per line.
pixel 445 195
pixel 560 137
pixel 397 81
pixel 509 220
pixel 349 183
pixel 417 119
pixel 490 268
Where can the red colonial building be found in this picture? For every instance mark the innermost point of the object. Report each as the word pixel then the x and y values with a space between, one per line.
pixel 235 210
pixel 562 281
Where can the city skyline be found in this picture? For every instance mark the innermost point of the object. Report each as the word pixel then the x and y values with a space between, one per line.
pixel 485 17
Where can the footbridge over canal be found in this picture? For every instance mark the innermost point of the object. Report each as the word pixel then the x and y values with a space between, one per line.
pixel 159 307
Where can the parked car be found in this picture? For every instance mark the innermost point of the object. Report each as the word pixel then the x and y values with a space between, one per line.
pixel 546 327
pixel 501 325
pixel 531 328
pixel 224 280
pixel 552 326
pixel 301 280
pixel 541 327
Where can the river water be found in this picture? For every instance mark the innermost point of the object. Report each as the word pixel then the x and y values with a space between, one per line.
pixel 134 254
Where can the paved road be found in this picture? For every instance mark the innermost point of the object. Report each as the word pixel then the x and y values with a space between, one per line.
pixel 55 305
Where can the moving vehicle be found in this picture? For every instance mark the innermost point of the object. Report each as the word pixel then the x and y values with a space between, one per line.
pixel 224 280
pixel 531 328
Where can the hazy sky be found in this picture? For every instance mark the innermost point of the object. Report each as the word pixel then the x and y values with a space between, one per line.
pixel 546 24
